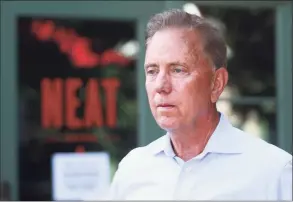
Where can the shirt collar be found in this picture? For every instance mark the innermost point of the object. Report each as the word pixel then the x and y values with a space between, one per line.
pixel 223 140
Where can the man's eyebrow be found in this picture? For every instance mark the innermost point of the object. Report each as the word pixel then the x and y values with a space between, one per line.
pixel 177 63
pixel 169 64
pixel 150 65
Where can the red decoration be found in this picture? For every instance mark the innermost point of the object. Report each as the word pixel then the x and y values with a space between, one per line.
pixel 77 48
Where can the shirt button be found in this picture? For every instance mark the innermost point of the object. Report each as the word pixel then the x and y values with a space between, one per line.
pixel 189 169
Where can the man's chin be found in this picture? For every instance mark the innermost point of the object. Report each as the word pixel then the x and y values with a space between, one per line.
pixel 167 124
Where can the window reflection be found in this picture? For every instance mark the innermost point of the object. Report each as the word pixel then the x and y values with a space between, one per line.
pixel 249 98
pixel 77 92
pixel 257 119
pixel 251 47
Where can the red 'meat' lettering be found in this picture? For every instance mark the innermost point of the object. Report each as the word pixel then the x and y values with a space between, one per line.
pixel 51 103
pixel 93 115
pixel 72 102
pixel 110 85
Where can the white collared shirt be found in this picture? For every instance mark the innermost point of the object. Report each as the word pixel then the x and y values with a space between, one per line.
pixel 233 166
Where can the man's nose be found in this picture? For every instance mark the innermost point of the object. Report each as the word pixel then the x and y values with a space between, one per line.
pixel 163 83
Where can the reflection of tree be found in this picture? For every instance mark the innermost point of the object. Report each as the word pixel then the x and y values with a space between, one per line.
pixel 247 117
pixel 226 106
pixel 250 34
pixel 126 111
pixel 30 118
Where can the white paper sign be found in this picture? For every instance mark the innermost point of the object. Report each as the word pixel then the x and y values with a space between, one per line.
pixel 76 176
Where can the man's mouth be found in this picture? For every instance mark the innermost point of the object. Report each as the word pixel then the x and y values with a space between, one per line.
pixel 166 105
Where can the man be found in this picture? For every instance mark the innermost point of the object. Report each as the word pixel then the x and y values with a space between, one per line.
pixel 202 156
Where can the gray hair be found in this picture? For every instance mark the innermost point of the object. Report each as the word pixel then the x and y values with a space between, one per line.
pixel 214 44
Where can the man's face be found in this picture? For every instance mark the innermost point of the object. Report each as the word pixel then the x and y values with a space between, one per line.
pixel 179 78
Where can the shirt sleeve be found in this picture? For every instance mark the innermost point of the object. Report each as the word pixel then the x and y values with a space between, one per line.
pixel 285 183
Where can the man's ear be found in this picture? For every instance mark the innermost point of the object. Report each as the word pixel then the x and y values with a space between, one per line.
pixel 219 83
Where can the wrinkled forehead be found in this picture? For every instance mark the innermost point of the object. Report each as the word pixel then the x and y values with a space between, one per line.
pixel 176 44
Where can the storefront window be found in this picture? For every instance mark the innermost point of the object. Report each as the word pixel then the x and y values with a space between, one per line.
pixel 77 93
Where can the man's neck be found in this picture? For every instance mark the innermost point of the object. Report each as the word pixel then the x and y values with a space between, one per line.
pixel 191 141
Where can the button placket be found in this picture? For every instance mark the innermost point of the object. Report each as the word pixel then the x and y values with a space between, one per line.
pixel 186 185
pixel 184 182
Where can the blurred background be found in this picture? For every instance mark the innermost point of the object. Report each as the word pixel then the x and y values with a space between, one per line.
pixel 72 87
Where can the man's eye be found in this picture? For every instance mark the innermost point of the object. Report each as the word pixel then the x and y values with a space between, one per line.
pixel 178 70
pixel 151 71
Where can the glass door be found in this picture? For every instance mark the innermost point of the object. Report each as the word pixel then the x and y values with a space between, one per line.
pixel 71 74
